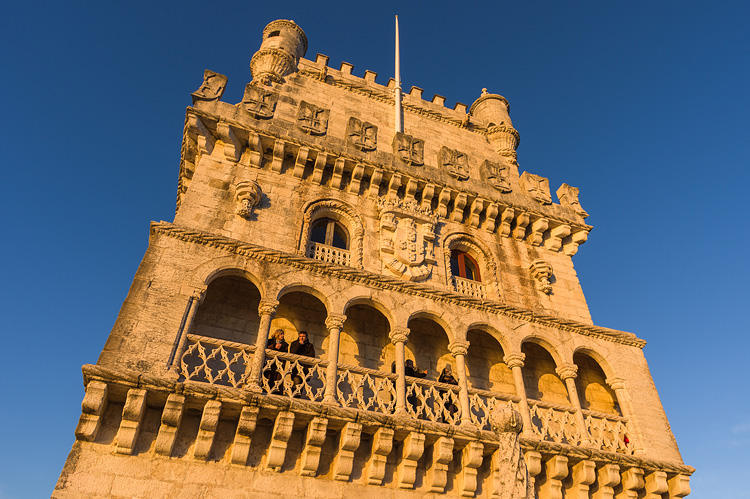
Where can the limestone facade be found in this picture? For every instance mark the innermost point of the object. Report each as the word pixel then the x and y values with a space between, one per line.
pixel 301 209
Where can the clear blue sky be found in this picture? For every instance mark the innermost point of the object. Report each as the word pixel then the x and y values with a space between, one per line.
pixel 643 105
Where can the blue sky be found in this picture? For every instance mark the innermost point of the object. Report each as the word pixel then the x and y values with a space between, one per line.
pixel 642 105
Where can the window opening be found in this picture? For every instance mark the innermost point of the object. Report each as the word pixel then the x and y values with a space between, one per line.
pixel 463 265
pixel 274 33
pixel 329 232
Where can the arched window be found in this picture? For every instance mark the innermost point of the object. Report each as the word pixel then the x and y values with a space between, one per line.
pixel 329 232
pixel 463 265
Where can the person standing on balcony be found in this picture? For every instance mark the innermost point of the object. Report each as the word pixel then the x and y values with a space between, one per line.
pixel 412 370
pixel 446 376
pixel 301 346
pixel 276 342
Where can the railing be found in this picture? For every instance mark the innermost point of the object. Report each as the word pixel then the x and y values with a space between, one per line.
pixel 609 432
pixel 555 423
pixel 433 401
pixel 482 403
pixel 366 389
pixel 469 287
pixel 328 254
pixel 226 363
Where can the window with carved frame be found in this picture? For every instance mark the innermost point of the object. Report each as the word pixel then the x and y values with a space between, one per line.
pixel 465 266
pixel 329 232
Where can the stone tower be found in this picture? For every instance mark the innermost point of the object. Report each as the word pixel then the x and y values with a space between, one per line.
pixel 452 348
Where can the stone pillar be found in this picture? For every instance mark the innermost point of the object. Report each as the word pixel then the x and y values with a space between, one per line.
pixel 398 337
pixel 458 349
pixel 266 310
pixel 623 399
pixel 568 373
pixel 515 362
pixel 195 300
pixel 334 323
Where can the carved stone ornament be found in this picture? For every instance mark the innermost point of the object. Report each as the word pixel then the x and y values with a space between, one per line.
pixel 407 241
pixel 212 88
pixel 496 174
pixel 259 102
pixel 537 187
pixel 408 149
pixel 361 134
pixel 511 476
pixel 312 119
pixel 568 196
pixel 455 163
pixel 542 272
pixel 247 196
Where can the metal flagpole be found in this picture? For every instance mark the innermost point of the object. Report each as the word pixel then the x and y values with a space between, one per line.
pixel 399 123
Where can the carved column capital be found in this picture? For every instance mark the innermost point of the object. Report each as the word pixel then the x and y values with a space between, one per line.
pixel 616 383
pixel 268 307
pixel 514 360
pixel 199 294
pixel 458 348
pixel 399 335
pixel 335 321
pixel 566 371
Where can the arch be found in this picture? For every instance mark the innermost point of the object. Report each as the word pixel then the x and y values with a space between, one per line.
pixel 475 248
pixel 364 337
pixel 539 373
pixel 487 369
pixel 229 310
pixel 435 317
pixel 501 339
pixel 428 343
pixel 302 309
pixel 603 363
pixel 304 288
pixel 370 302
pixel 202 275
pixel 337 211
pixel 533 338
pixel 591 383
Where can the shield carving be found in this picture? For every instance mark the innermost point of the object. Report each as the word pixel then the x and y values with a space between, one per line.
pixel 259 102
pixel 409 247
pixel 454 162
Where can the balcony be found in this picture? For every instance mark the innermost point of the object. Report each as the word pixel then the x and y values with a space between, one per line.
pixel 469 288
pixel 328 254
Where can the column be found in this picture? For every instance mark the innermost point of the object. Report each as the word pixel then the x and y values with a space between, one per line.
pixel 398 337
pixel 623 399
pixel 515 362
pixel 334 323
pixel 195 300
pixel 266 310
pixel 568 373
pixel 458 349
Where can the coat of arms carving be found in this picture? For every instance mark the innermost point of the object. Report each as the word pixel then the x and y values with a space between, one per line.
pixel 568 196
pixel 312 119
pixel 259 102
pixel 454 162
pixel 407 241
pixel 362 134
pixel 496 174
pixel 408 149
pixel 212 87
pixel 537 187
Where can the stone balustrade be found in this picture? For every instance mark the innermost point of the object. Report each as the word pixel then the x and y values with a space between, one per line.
pixel 469 288
pixel 328 254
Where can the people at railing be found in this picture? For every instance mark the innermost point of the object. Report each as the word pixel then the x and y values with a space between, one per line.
pixel 301 346
pixel 276 342
pixel 412 370
pixel 446 376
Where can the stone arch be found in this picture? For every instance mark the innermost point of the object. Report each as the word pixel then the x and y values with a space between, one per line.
pixel 501 339
pixel 599 358
pixel 591 383
pixel 336 210
pixel 479 251
pixel 374 303
pixel 486 368
pixel 364 338
pixel 229 310
pixel 544 343
pixel 303 308
pixel 539 372
pixel 308 289
pixel 429 340
pixel 253 271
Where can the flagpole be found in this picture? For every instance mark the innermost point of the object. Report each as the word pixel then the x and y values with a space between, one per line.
pixel 399 123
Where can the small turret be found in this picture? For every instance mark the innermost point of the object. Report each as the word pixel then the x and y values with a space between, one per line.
pixel 283 44
pixel 494 111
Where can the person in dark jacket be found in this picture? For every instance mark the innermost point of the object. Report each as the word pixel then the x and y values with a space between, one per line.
pixel 276 342
pixel 301 346
pixel 413 371
pixel 446 376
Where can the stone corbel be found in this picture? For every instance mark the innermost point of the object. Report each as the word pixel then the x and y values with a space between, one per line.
pixel 382 443
pixel 583 475
pixel 243 436
pixel 533 463
pixel 316 435
pixel 232 144
pixel 556 235
pixel 427 194
pixel 656 484
pixel 132 416
pixel 458 207
pixel 506 218
pixel 570 247
pixel 443 199
pixel 338 173
pixel 282 431
pixel 411 188
pixel 349 442
pixel 319 168
pixel 201 134
pixel 568 196
pixel 412 450
pixel 557 470
pixel 607 478
pixel 477 207
pixel 490 217
pixel 247 196
pixel 393 186
pixel 207 430
pixel 278 155
pixel 375 179
pixel 471 459
pixel 522 220
pixel 299 165
pixel 679 486
pixel 92 408
pixel 632 482
pixel 537 231
pixel 171 417
pixel 437 475
pixel 255 149
pixel 542 272
pixel 357 174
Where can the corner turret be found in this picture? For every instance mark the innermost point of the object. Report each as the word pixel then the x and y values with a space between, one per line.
pixel 494 111
pixel 283 44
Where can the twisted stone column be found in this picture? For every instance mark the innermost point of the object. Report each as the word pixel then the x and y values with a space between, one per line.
pixel 568 373
pixel 618 385
pixel 398 337
pixel 515 362
pixel 334 323
pixel 266 310
pixel 195 300
pixel 458 349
